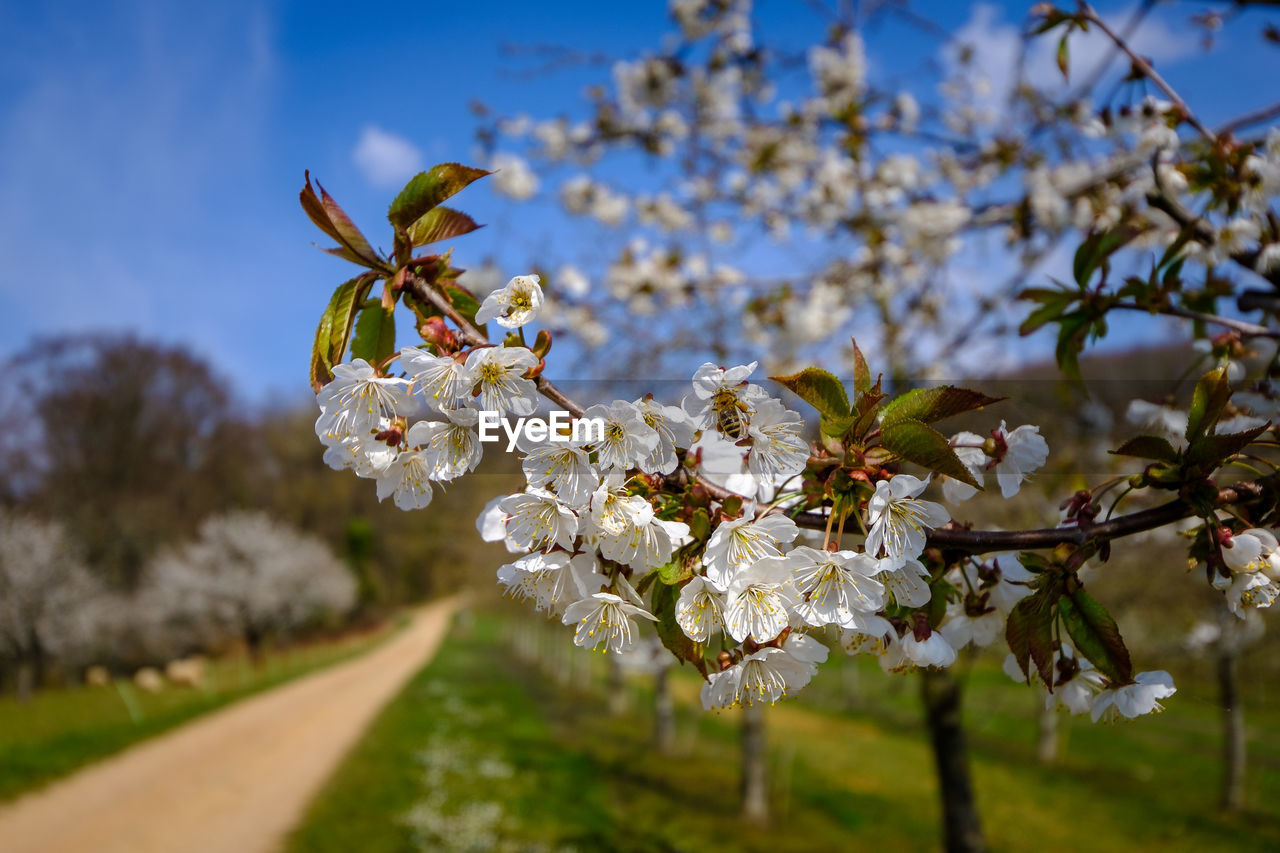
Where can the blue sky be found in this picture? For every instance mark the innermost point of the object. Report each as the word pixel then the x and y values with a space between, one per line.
pixel 151 152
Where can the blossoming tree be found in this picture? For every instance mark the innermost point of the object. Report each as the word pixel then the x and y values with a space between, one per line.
pixel 739 529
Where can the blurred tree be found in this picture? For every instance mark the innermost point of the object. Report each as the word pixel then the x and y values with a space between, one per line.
pixel 128 442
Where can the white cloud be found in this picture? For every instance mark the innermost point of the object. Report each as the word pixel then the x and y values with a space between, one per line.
pixel 386 160
pixel 997 46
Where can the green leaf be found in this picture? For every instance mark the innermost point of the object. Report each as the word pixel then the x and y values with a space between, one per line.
pixel 1147 447
pixel 425 190
pixel 335 328
pixel 861 372
pixel 920 443
pixel 1073 328
pixel 1053 303
pixel 440 223
pixel 1064 56
pixel 819 389
pixel 837 427
pixel 933 404
pixel 1029 632
pixel 1096 635
pixel 1212 393
pixel 1213 449
pixel 662 603
pixel 676 571
pixel 1096 249
pixel 375 333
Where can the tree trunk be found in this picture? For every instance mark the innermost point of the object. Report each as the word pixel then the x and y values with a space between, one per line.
pixel 1233 742
pixel 755 769
pixel 962 830
pixel 26 680
pixel 664 714
pixel 1049 719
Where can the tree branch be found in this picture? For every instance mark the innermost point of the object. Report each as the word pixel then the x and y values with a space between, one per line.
pixel 956 538
pixel 1147 71
pixel 1245 328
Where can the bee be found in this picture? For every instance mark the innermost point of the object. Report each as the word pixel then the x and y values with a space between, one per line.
pixel 731 413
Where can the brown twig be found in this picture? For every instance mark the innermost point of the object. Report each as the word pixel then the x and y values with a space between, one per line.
pixel 1144 67
pixel 985 541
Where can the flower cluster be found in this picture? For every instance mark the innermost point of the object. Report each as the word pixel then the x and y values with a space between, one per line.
pixel 364 416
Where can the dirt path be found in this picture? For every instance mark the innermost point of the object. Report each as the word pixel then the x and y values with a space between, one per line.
pixel 235 780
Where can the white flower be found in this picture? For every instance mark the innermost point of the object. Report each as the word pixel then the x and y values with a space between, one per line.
pixel 1166 421
pixel 1251 550
pixel 933 650
pixel 513 305
pixel 357 401
pixel 968 447
pixel 736 544
pixel 442 380
pixel 363 454
pixel 624 528
pixel 408 478
pixel 899 521
pixel 1250 589
pixel 777 451
pixel 759 600
pixel 907 581
pixel 674 430
pixel 873 637
pixel 961 628
pixel 627 441
pixel 492 524
pixel 538 521
pixel 1025 451
pixel 723 399
pixel 512 177
pixel 452 446
pixel 1133 700
pixel 766 676
pixel 700 610
pixel 604 619
pixel 498 373
pixel 552 580
pixel 835 588
pixel 564 470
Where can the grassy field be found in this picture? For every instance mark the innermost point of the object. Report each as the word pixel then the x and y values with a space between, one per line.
pixel 60 730
pixel 485 751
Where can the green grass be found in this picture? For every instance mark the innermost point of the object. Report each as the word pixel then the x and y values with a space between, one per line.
pixel 61 730
pixel 485 751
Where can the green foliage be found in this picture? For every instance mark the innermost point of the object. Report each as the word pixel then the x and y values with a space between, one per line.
pixel 1096 635
pixel 819 389
pixel 933 404
pixel 426 190
pixel 916 441
pixel 1208 401
pixel 375 333
pixel 440 223
pixel 1029 632
pixel 1148 447
pixel 334 331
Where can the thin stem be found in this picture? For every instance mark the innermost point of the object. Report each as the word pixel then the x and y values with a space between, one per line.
pixel 985 541
pixel 1147 71
pixel 1249 330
